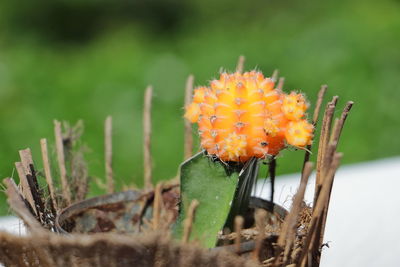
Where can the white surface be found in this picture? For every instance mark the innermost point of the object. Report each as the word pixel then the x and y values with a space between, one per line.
pixel 363 225
pixel 12 224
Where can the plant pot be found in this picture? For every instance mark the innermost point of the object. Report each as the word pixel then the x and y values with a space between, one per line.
pixel 247 247
pixel 121 212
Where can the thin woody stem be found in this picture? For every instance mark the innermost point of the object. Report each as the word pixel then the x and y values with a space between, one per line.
pixel 47 172
pixel 61 162
pixel 274 76
pixel 147 138
pixel 240 64
pixel 108 154
pixel 280 83
pixel 238 230
pixel 188 224
pixel 188 145
pixel 317 109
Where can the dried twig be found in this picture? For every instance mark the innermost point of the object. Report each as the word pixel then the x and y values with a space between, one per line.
pixel 108 154
pixel 157 205
pixel 61 162
pixel 320 206
pixel 330 154
pixel 188 224
pixel 338 129
pixel 188 146
pixel 274 76
pixel 33 185
pixel 240 64
pixel 317 109
pixel 47 172
pixel 26 192
pixel 318 104
pixel 26 160
pixel 280 83
pixel 288 230
pixel 334 129
pixel 238 230
pixel 147 138
pixel 260 217
pixel 17 204
pixel 323 142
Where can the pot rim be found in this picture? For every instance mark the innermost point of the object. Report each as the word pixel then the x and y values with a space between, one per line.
pixel 247 246
pixel 76 208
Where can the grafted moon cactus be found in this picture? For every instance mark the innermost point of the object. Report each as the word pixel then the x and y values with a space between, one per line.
pixel 241 116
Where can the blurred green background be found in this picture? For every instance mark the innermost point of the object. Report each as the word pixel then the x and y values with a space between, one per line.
pixel 75 59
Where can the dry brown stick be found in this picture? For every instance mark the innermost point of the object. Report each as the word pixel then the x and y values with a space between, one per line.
pixel 335 100
pixel 188 146
pixel 26 192
pixel 335 135
pixel 274 76
pixel 188 224
pixel 33 185
pixel 295 211
pixel 333 145
pixel 316 241
pixel 320 205
pixel 280 83
pixel 240 64
pixel 324 137
pixel 317 109
pixel 338 130
pixel 328 157
pixel 61 162
pixel 238 230
pixel 157 203
pixel 26 160
pixel 260 217
pixel 318 104
pixel 334 129
pixel 17 204
pixel 47 172
pixel 147 138
pixel 288 230
pixel 108 154
pixel 334 139
pixel 302 262
pixel 319 237
pixel 323 141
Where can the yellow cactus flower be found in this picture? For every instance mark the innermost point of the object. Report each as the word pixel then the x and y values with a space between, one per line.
pixel 198 95
pixel 192 112
pixel 299 133
pixel 235 146
pixel 242 116
pixel 294 106
pixel 271 127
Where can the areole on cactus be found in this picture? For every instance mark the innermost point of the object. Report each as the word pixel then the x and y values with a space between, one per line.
pixel 241 116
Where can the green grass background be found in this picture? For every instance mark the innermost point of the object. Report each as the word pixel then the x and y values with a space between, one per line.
pixel 90 66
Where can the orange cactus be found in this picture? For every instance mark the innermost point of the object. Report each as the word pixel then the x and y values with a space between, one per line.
pixel 242 116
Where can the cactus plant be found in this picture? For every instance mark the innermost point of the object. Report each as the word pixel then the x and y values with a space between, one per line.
pixel 242 118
